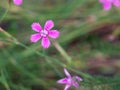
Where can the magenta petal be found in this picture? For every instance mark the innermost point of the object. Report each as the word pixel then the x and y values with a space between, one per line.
pixel 66 87
pixel 45 42
pixel 116 3
pixel 17 2
pixel 49 25
pixel 78 78
pixel 54 34
pixel 63 81
pixel 67 73
pixel 36 27
pixel 75 84
pixel 35 37
pixel 107 6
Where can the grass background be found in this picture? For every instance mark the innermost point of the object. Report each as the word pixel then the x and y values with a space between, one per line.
pixel 89 34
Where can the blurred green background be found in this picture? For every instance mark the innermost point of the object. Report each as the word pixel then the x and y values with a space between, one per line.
pixel 89 34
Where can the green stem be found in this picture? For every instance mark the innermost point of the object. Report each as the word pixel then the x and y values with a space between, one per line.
pixel 4 15
pixel 4 81
pixel 6 33
pixel 62 52
pixel 5 12
pixel 24 70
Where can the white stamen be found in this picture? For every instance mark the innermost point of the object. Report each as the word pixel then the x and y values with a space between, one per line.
pixel 44 33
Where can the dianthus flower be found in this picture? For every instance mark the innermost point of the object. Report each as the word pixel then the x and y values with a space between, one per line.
pixel 69 80
pixel 44 33
pixel 17 2
pixel 108 3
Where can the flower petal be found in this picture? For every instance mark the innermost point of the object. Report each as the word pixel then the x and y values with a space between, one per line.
pixel 78 78
pixel 36 27
pixel 63 81
pixel 116 3
pixel 66 87
pixel 75 84
pixel 45 42
pixel 67 73
pixel 17 2
pixel 54 34
pixel 49 25
pixel 107 5
pixel 35 37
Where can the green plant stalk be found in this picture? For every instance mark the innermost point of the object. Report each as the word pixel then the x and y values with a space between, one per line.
pixel 5 12
pixel 62 51
pixel 4 15
pixel 24 70
pixel 11 38
pixel 4 81
pixel 6 33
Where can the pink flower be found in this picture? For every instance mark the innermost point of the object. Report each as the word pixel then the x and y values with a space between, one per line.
pixel 17 2
pixel 44 33
pixel 108 3
pixel 69 81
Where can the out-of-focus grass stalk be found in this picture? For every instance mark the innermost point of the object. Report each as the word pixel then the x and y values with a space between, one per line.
pixel 62 51
pixel 11 38
pixel 4 81
pixel 24 70
pixel 3 31
pixel 5 12
pixel 4 15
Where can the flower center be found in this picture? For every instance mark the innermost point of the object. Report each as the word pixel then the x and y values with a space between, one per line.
pixel 44 33
pixel 70 81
